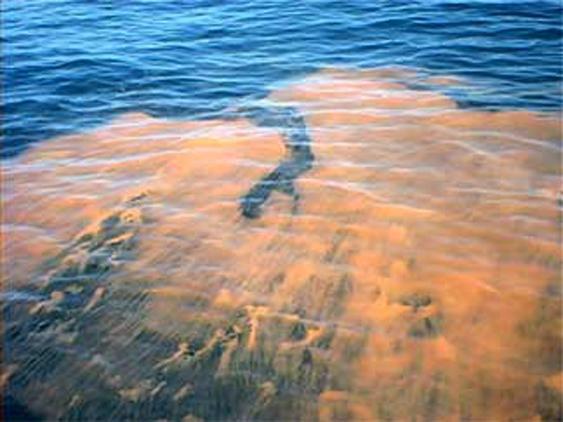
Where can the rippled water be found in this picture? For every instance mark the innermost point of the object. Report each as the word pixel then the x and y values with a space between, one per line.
pixel 70 64
pixel 354 214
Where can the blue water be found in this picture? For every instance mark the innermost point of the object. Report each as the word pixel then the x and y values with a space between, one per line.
pixel 71 64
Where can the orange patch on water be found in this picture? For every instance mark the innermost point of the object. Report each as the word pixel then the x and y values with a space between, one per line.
pixel 426 238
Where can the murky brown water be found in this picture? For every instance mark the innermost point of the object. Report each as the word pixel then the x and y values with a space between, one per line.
pixel 413 274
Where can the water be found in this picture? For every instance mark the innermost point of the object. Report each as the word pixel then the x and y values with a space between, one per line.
pixel 278 211
pixel 74 64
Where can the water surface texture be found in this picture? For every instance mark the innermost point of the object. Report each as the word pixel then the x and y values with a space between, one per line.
pixel 74 63
pixel 323 211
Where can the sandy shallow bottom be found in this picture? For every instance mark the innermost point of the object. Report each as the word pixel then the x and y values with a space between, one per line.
pixel 413 272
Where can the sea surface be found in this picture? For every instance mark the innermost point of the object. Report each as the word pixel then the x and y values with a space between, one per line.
pixel 74 64
pixel 281 211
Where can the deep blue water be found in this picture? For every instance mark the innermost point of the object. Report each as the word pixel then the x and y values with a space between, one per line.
pixel 71 64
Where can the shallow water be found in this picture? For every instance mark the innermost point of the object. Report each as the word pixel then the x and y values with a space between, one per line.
pixel 410 269
pixel 277 211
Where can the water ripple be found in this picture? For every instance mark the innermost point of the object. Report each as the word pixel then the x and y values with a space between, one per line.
pixel 71 64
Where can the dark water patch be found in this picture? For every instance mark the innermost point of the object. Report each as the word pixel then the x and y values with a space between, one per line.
pixel 13 410
pixel 282 178
pixel 428 327
pixel 550 403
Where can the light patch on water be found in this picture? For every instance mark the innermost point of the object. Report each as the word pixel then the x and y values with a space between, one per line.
pixel 417 275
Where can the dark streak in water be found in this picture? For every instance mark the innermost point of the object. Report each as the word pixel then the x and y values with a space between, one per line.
pixel 282 178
